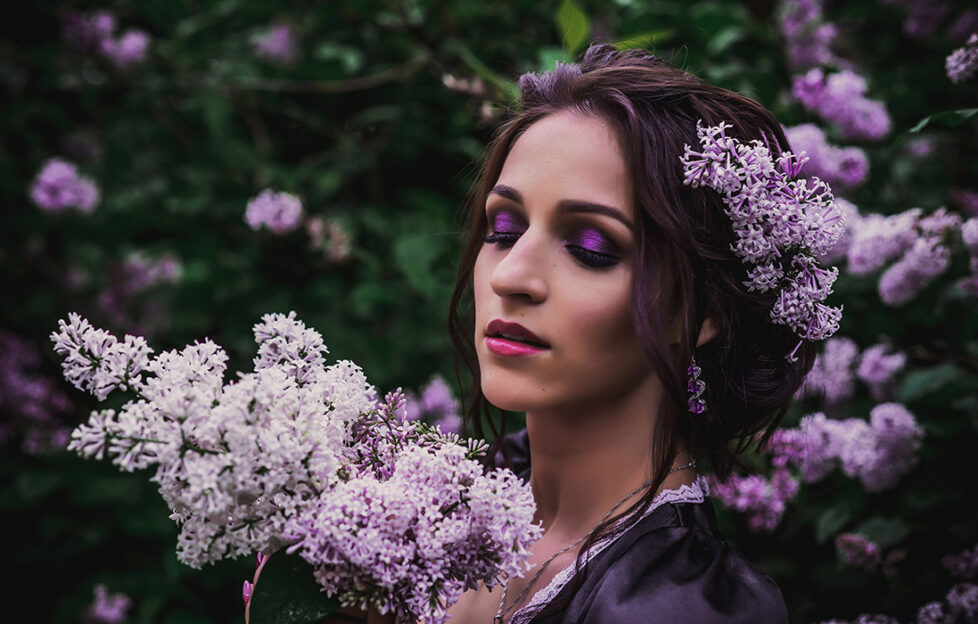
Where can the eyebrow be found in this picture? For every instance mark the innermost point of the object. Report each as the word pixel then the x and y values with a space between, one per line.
pixel 567 206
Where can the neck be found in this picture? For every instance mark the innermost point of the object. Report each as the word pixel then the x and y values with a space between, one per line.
pixel 585 460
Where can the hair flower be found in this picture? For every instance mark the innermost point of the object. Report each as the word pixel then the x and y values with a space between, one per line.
pixel 782 223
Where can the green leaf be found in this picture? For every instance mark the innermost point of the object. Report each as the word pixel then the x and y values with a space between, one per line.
pixel 924 381
pixel 830 521
pixel 952 118
pixel 574 26
pixel 287 593
pixel 885 532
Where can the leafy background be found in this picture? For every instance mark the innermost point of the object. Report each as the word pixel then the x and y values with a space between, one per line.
pixel 378 127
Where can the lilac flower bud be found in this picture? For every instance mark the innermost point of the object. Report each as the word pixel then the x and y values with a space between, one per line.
pixel 279 212
pixel 246 590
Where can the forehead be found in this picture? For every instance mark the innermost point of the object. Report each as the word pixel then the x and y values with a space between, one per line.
pixel 569 155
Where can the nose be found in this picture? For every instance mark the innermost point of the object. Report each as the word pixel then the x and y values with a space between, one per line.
pixel 521 272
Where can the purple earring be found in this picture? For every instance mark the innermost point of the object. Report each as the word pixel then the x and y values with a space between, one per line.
pixel 695 386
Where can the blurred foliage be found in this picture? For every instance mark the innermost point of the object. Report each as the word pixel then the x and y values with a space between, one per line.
pixel 365 129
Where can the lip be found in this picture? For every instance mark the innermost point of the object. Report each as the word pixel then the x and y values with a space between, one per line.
pixel 503 346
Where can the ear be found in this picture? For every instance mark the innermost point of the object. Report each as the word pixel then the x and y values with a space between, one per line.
pixel 708 331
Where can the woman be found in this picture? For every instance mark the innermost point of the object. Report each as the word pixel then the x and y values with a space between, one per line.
pixel 597 276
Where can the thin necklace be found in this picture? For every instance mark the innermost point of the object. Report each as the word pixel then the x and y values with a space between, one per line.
pixel 500 613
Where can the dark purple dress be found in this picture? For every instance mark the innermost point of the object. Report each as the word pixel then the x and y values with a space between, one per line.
pixel 671 567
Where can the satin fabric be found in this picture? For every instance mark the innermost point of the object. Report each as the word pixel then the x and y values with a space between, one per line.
pixel 672 567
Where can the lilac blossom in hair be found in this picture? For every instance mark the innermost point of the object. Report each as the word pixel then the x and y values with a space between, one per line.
pixel 278 44
pixel 58 187
pixel 845 166
pixel 963 564
pixel 878 366
pixel 781 223
pixel 279 212
pixel 840 98
pixel 807 36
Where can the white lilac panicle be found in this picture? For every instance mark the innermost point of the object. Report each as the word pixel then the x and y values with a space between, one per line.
pixel 279 212
pixel 416 523
pixel 840 99
pixel 781 222
pixel 58 187
pixel 962 64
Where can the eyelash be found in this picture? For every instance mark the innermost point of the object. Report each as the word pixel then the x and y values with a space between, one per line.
pixel 590 258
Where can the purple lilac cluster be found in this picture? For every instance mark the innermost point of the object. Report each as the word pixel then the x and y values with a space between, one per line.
pixel 923 17
pixel 878 368
pixel 58 187
pixel 843 166
pixel 840 98
pixel 969 236
pixel 95 33
pixel 807 35
pixel 107 608
pixel 416 523
pixel 436 404
pixel 878 453
pixel 960 604
pixel 859 551
pixel 966 200
pixel 278 44
pixel 33 404
pixel 918 243
pixel 297 453
pixel 279 212
pixel 781 222
pixel 831 374
pixel 963 564
pixel 763 500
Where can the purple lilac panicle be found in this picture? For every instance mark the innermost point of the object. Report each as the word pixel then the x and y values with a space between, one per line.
pixel 831 374
pixel 845 166
pixel 107 608
pixel 963 62
pixel 127 50
pixel 279 212
pixel 878 366
pixel 840 98
pixel 963 564
pixel 58 187
pixel 763 500
pixel 807 36
pixel 773 213
pixel 278 44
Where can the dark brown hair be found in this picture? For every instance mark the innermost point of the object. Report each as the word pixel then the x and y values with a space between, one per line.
pixel 684 267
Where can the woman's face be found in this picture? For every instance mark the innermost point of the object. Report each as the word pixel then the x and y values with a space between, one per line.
pixel 557 262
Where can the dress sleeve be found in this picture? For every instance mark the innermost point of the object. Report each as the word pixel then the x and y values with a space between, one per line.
pixel 680 575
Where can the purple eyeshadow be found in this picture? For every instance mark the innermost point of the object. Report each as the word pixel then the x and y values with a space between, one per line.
pixel 506 222
pixel 592 240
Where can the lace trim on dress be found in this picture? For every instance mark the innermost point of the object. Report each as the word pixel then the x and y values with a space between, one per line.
pixel 695 492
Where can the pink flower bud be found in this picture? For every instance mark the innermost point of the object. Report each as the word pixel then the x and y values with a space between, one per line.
pixel 246 591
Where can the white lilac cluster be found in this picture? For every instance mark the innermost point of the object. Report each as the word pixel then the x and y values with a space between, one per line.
pixel 280 212
pixel 416 523
pixel 833 374
pixel 300 454
pixel 919 244
pixel 782 224
pixel 878 453
pixel 844 166
pixel 963 62
pixel 840 98
pixel 58 187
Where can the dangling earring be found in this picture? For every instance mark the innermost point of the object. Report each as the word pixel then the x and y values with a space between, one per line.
pixel 695 386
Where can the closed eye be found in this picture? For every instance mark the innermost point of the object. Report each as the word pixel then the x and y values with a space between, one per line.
pixel 504 239
pixel 592 258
